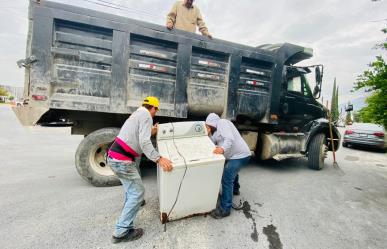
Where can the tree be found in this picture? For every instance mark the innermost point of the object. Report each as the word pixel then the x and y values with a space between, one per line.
pixel 3 92
pixel 337 103
pixel 356 117
pixel 11 98
pixel 374 80
pixel 334 102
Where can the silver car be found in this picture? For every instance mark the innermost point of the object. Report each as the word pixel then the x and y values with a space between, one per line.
pixel 365 134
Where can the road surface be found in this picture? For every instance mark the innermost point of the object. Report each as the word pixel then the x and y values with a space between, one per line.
pixel 46 204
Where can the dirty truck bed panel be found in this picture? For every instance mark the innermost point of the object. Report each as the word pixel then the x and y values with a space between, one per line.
pixel 98 62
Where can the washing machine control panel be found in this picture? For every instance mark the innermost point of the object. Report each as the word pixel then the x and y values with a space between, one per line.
pixel 181 130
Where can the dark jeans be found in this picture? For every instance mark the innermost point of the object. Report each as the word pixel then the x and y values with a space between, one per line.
pixel 230 172
pixel 236 184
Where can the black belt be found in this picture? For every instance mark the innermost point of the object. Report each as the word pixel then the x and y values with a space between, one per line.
pixel 116 147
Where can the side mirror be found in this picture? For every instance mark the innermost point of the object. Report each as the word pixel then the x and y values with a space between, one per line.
pixel 316 90
pixel 319 76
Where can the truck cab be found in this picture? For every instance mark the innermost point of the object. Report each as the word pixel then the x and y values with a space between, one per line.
pixel 298 104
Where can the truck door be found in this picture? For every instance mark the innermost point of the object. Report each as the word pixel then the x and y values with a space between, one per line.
pixel 293 103
pixel 299 107
pixel 312 109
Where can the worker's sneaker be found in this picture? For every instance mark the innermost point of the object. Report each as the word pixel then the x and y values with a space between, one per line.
pixel 143 203
pixel 133 234
pixel 218 213
pixel 236 192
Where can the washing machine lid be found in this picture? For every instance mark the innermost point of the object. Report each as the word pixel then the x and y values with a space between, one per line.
pixel 192 151
pixel 196 148
pixel 168 150
pixel 186 144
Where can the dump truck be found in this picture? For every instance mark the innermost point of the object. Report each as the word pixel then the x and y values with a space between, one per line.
pixel 90 70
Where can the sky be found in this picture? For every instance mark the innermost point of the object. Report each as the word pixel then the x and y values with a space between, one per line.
pixel 342 33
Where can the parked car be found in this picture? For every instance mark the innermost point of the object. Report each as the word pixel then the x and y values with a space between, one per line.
pixel 365 134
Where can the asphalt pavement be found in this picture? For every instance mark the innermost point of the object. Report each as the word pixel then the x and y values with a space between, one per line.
pixel 44 203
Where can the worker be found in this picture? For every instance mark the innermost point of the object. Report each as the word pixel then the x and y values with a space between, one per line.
pixel 186 16
pixel 228 142
pixel 124 157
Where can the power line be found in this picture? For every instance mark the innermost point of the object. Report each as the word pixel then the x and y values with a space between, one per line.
pixel 109 5
pixel 128 8
pixel 379 20
pixel 10 7
pixel 101 4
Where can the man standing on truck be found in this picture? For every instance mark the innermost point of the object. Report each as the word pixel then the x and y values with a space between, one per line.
pixel 230 143
pixel 124 157
pixel 186 16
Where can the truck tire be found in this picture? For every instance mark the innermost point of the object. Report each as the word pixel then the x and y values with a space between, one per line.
pixel 317 152
pixel 90 158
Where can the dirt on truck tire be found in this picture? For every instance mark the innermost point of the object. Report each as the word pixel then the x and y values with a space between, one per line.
pixel 316 152
pixel 90 158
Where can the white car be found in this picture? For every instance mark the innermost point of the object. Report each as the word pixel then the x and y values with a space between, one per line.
pixel 365 134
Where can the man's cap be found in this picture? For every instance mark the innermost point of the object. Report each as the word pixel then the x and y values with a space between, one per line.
pixel 151 100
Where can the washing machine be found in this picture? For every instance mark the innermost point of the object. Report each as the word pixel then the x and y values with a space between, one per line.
pixel 192 187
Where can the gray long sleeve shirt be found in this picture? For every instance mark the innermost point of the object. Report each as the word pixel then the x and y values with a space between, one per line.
pixel 136 133
pixel 227 136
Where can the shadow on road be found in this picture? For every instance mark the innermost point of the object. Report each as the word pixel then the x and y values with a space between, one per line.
pixel 286 165
pixel 367 149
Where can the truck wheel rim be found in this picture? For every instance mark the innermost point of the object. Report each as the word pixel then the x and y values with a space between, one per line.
pixel 98 160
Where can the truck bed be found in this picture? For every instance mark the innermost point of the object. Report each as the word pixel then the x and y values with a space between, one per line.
pixel 98 62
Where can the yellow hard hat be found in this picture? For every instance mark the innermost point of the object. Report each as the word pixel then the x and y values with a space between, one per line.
pixel 151 100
